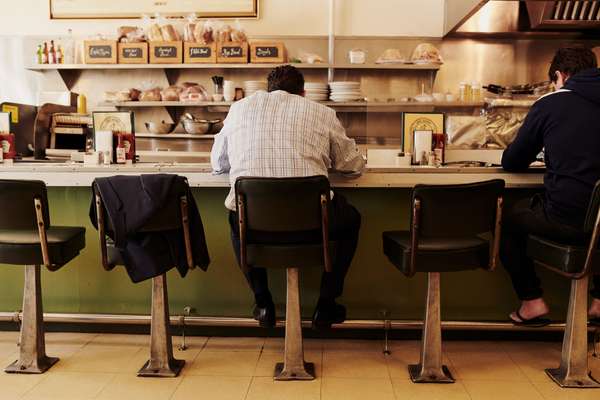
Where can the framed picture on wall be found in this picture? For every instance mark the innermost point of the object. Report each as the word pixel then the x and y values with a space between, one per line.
pixel 413 122
pixel 114 9
pixel 115 121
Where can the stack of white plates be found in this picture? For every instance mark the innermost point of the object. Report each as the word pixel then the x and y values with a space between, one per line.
pixel 316 91
pixel 250 87
pixel 345 91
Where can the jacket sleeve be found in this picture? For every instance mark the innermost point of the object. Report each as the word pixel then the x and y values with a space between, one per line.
pixel 528 143
pixel 345 156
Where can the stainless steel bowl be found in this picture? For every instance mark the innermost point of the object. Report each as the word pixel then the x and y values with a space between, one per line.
pixel 160 128
pixel 197 126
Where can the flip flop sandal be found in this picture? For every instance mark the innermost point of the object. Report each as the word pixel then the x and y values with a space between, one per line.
pixel 536 322
pixel 594 322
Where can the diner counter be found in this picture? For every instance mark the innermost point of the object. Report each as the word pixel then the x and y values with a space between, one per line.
pixel 200 175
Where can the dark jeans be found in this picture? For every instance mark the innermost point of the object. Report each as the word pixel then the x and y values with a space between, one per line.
pixel 528 217
pixel 344 224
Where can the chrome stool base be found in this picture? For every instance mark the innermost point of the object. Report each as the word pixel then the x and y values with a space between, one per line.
pixel 295 374
pixel 39 367
pixel 418 375
pixel 170 371
pixel 560 377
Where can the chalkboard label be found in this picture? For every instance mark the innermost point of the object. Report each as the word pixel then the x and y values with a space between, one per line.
pixel 231 52
pixel 200 52
pixel 165 51
pixel 266 52
pixel 132 52
pixel 100 51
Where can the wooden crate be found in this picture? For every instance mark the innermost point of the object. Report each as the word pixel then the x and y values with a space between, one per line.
pixel 232 52
pixel 166 52
pixel 133 53
pixel 100 51
pixel 197 53
pixel 267 52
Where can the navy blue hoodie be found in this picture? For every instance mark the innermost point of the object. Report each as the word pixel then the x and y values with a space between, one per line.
pixel 566 124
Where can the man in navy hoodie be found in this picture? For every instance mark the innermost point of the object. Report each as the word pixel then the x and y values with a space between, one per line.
pixel 566 124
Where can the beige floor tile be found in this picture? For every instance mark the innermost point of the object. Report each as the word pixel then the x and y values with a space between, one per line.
pixel 501 390
pixel 479 346
pixel 212 387
pixel 8 343
pixel 533 362
pixel 69 338
pixel 551 391
pixel 485 365
pixel 343 345
pixel 267 361
pixel 223 363
pixel 66 386
pixel 268 389
pixel 131 387
pixel 234 344
pixel 112 339
pixel 277 345
pixel 413 391
pixel 13 386
pixel 102 358
pixel 339 364
pixel 356 389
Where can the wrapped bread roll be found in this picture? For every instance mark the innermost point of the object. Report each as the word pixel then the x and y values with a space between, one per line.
pixel 224 35
pixel 169 33
pixel 150 95
pixel 171 93
pixel 188 33
pixel 155 33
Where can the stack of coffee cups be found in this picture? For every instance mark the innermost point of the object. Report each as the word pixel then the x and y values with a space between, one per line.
pixel 229 90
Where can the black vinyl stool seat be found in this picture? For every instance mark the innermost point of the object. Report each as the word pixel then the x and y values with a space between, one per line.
pixel 576 262
pixel 452 228
pixel 173 216
pixel 27 238
pixel 286 206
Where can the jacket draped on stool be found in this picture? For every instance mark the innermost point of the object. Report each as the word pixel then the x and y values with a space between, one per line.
pixel 130 202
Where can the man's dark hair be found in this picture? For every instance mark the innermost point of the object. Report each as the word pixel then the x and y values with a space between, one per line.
pixel 571 60
pixel 288 78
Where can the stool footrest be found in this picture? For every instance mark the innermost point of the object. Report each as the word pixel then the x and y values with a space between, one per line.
pixel 306 373
pixel 419 375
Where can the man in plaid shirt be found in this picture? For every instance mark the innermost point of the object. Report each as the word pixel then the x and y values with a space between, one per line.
pixel 280 134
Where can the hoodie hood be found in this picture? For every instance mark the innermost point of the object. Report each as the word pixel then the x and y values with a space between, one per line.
pixel 586 84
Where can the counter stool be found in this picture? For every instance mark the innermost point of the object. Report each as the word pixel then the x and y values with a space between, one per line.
pixel 173 216
pixel 286 205
pixel 576 263
pixel 450 230
pixel 27 238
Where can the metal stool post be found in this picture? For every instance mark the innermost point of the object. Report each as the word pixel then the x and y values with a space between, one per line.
pixel 294 367
pixel 574 371
pixel 32 356
pixel 430 368
pixel 161 363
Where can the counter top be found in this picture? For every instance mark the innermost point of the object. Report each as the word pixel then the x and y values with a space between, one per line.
pixel 200 175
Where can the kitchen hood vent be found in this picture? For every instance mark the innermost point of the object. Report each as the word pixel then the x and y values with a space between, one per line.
pixel 514 18
pixel 582 14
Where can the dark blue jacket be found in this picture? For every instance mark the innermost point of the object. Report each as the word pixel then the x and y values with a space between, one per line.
pixel 142 218
pixel 566 124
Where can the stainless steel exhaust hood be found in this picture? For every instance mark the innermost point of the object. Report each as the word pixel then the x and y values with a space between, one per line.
pixel 516 18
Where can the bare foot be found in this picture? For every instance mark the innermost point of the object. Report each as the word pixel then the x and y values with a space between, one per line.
pixel 594 311
pixel 531 309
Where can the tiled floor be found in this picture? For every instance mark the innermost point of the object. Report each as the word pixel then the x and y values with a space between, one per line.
pixel 104 367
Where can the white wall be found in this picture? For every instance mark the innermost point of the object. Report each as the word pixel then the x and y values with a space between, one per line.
pixel 277 17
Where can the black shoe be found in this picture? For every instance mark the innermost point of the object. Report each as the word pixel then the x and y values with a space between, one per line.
pixel 328 314
pixel 265 315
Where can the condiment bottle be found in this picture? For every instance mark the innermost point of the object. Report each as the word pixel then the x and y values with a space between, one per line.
pixel 45 54
pixel 39 57
pixel 60 55
pixel 81 104
pixel 52 53
pixel 476 91
pixel 121 151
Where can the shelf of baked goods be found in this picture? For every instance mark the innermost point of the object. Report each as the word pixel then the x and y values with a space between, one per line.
pixel 79 67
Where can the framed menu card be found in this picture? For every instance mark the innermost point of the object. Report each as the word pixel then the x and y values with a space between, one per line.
pixel 106 9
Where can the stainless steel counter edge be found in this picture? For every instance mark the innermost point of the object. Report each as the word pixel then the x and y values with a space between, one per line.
pixel 200 175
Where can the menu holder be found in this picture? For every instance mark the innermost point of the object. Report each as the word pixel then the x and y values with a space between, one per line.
pixel 100 51
pixel 166 52
pixel 198 53
pixel 133 53
pixel 232 52
pixel 267 52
